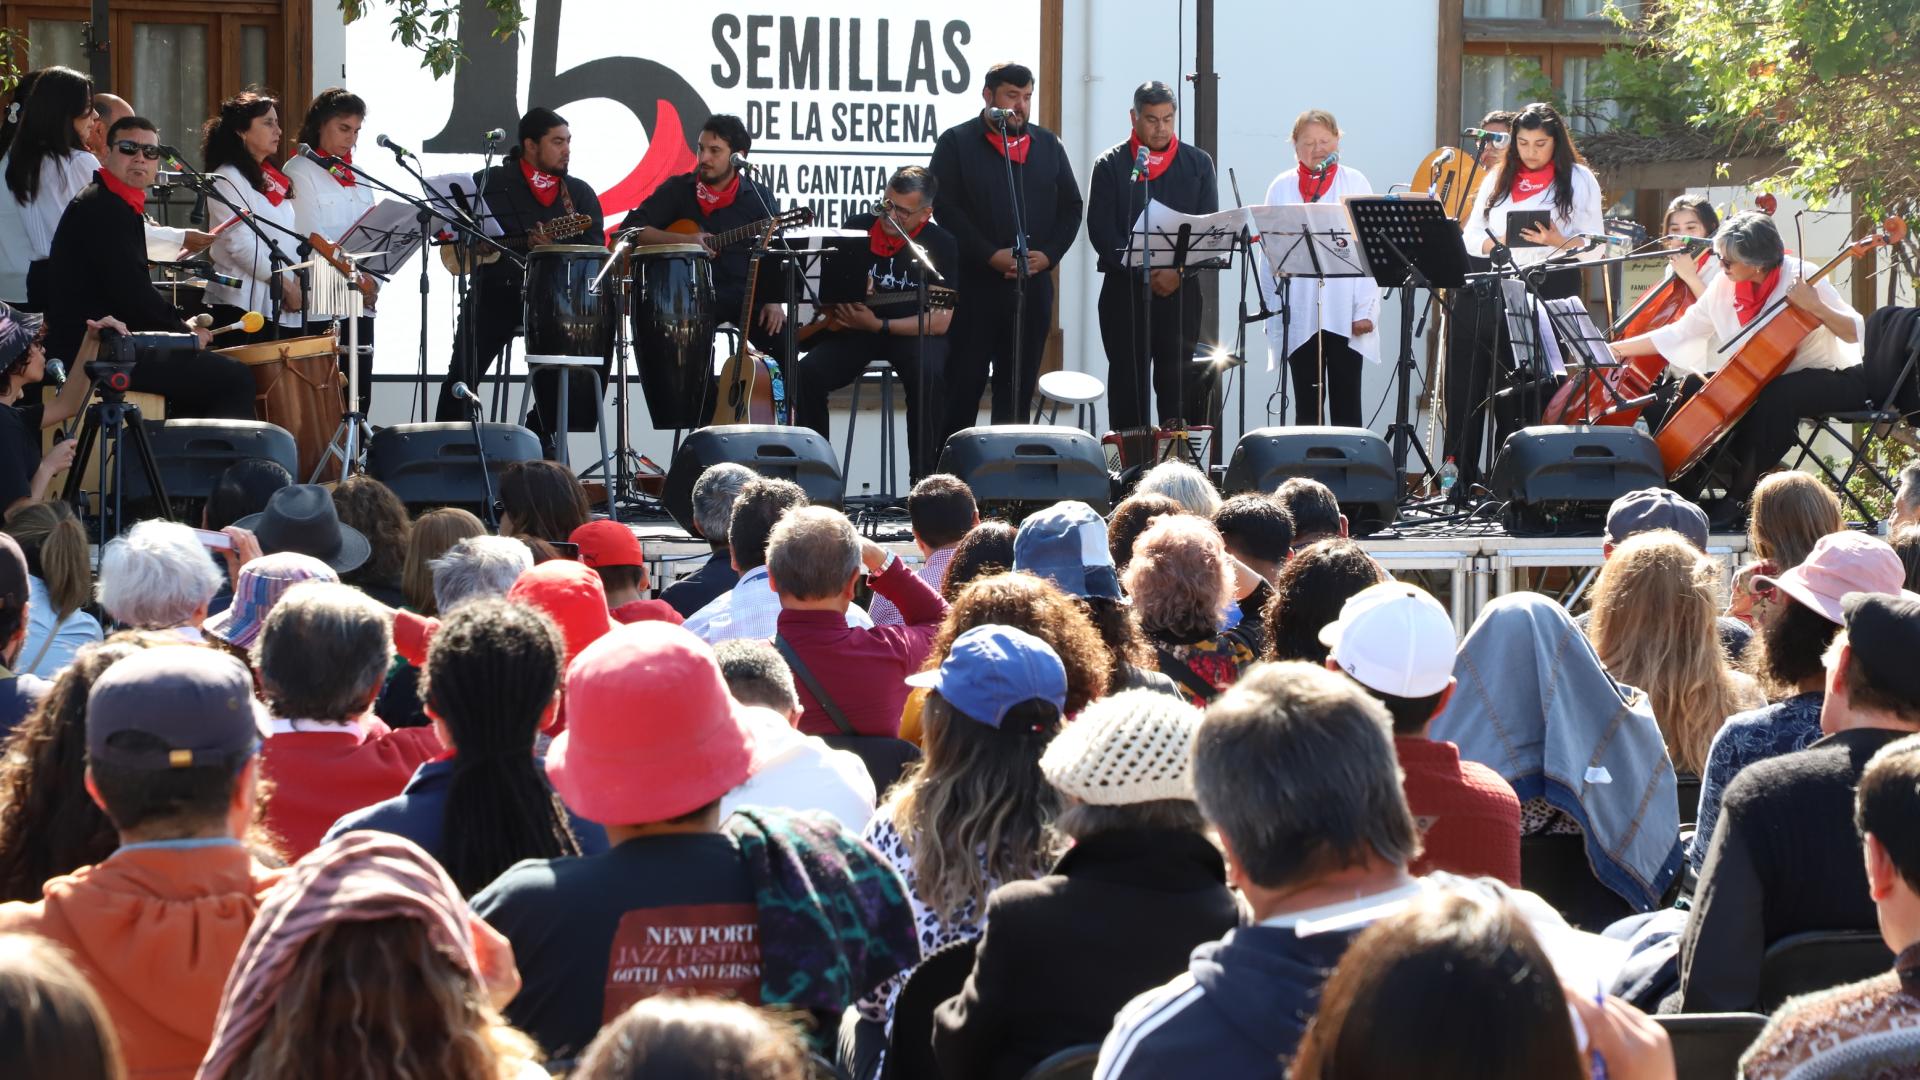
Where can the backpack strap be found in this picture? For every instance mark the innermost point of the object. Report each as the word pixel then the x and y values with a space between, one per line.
pixel 792 657
pixel 1177 668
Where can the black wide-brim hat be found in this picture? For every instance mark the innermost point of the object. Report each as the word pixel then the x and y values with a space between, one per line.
pixel 302 518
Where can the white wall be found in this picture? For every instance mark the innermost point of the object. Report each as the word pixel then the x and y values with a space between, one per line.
pixel 330 43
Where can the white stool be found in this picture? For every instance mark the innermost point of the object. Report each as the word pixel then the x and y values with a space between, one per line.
pixel 1076 388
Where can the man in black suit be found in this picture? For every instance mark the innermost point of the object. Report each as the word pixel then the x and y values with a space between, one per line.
pixel 530 189
pixel 1179 178
pixel 971 161
pixel 98 268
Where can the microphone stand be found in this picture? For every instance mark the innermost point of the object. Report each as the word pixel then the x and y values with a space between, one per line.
pixel 277 260
pixel 1020 273
pixel 619 479
pixel 480 454
pixel 1145 378
pixel 924 390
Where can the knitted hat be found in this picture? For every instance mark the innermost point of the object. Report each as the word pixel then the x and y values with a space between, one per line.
pixel 1133 747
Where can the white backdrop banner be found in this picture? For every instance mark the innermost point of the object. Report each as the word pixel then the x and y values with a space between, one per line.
pixel 836 95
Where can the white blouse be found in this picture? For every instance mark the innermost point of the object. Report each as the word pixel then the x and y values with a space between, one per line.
pixel 1490 221
pixel 26 232
pixel 1713 320
pixel 240 253
pixel 1694 354
pixel 322 204
pixel 1332 304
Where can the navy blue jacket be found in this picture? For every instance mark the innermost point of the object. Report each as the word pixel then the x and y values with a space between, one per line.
pixel 703 586
pixel 419 813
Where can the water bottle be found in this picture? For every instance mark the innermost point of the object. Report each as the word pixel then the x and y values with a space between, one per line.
pixel 1449 473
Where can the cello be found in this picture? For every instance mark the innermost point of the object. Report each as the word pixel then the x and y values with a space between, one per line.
pixel 1698 424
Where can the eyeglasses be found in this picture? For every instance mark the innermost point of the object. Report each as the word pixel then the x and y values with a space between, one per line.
pixel 130 148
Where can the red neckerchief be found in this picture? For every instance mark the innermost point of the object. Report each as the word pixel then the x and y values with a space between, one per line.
pixel 886 243
pixel 1156 163
pixel 710 198
pixel 1750 296
pixel 277 183
pixel 1311 188
pixel 544 185
pixel 340 173
pixel 1530 182
pixel 1013 148
pixel 133 196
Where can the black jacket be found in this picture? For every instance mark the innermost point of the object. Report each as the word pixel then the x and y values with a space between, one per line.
pixel 1120 915
pixel 674 200
pixel 703 586
pixel 99 268
pixel 973 203
pixel 1784 859
pixel 1114 200
pixel 512 204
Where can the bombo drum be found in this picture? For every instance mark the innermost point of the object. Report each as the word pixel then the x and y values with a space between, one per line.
pixel 673 322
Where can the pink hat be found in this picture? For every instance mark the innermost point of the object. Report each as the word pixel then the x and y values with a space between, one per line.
pixel 652 732
pixel 1840 563
pixel 571 595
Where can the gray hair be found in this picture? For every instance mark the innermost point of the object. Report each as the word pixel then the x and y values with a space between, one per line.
pixel 1908 496
pixel 756 674
pixel 1081 820
pixel 157 576
pixel 1751 237
pixel 323 652
pixel 1182 483
pixel 908 179
pixel 713 496
pixel 478 566
pixel 812 552
pixel 1153 93
pixel 1294 765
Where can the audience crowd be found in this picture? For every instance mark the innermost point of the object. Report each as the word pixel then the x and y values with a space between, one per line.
pixel 1195 788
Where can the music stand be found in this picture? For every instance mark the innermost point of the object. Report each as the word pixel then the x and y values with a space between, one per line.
pixel 1407 242
pixel 1305 240
pixel 1582 340
pixel 384 238
pixel 1163 238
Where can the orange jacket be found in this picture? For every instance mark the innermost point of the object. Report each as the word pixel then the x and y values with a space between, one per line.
pixel 154 930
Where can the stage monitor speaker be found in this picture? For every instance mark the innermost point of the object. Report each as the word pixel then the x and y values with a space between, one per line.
pixel 192 454
pixel 1354 462
pixel 784 453
pixel 436 464
pixel 1021 468
pixel 1557 479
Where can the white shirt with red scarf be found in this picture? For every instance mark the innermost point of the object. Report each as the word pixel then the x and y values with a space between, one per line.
pixel 1489 219
pixel 1714 320
pixel 1335 305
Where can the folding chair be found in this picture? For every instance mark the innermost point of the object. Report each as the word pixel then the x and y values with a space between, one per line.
pixel 1883 410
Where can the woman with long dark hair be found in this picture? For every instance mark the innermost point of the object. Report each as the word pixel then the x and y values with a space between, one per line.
pixel 1543 171
pixel 242 151
pixel 45 166
pixel 541 500
pixel 492 676
pixel 329 199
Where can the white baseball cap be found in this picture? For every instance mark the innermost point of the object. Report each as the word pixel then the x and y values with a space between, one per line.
pixel 1393 638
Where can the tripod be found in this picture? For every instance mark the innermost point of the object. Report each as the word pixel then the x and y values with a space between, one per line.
pixel 114 423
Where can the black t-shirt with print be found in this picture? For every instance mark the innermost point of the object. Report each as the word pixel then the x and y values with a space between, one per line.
pixel 900 272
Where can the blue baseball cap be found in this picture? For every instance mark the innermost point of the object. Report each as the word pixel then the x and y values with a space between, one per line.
pixel 990 669
pixel 1067 544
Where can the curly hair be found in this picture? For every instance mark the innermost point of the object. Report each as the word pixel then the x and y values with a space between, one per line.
pixel 379 999
pixel 49 825
pixel 1312 587
pixel 1180 579
pixel 371 506
pixel 1119 628
pixel 1035 605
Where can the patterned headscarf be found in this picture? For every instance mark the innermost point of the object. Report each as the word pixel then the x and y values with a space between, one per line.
pixel 18 331
pixel 360 877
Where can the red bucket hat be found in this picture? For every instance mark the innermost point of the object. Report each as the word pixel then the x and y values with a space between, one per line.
pixel 652 732
pixel 571 595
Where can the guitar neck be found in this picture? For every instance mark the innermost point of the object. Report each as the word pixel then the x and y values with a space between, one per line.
pixel 744 232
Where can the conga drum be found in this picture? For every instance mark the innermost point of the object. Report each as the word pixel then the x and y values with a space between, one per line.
pixel 673 323
pixel 564 318
pixel 297 385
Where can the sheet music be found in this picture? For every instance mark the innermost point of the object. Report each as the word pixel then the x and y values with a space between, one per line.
pixel 1158 227
pixel 455 195
pixel 1307 240
pixel 1528 329
pixel 813 238
pixel 1585 342
pixel 384 237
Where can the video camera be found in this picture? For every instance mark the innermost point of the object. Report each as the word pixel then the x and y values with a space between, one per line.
pixel 112 370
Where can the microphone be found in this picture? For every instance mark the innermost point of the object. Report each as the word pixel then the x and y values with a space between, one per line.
pixel 323 160
pixel 461 393
pixel 1690 244
pixel 1139 165
pixel 1498 138
pixel 56 373
pixel 739 163
pixel 1332 160
pixel 1602 238
pixel 398 150
pixel 996 115
pixel 495 135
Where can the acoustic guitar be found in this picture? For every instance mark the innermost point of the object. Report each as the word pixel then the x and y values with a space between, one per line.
pixel 795 218
pixel 939 298
pixel 745 392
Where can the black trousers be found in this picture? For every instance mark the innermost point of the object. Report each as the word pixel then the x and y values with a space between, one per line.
pixel 1181 388
pixel 1761 438
pixel 1480 364
pixel 488 323
pixel 325 326
pixel 840 357
pixel 199 385
pixel 1329 354
pixel 982 335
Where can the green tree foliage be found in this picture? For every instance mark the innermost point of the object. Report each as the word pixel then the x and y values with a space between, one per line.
pixel 433 26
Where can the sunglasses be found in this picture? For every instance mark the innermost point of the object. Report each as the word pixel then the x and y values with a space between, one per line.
pixel 130 148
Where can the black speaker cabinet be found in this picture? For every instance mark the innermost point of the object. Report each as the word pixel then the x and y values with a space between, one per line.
pixel 1026 467
pixel 784 453
pixel 1556 479
pixel 430 465
pixel 191 455
pixel 1354 462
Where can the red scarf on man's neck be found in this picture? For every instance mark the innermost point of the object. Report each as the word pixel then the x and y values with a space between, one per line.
pixel 712 198
pixel 544 185
pixel 1012 147
pixel 1313 187
pixel 886 243
pixel 340 173
pixel 1530 182
pixel 1156 163
pixel 133 196
pixel 277 183
pixel 1749 297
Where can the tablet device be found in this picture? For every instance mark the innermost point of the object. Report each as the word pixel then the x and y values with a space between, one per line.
pixel 1519 221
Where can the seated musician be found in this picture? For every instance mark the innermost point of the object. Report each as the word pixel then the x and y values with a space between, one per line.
pixel 856 334
pixel 1757 277
pixel 99 270
pixel 535 201
pixel 714 198
pixel 25 475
